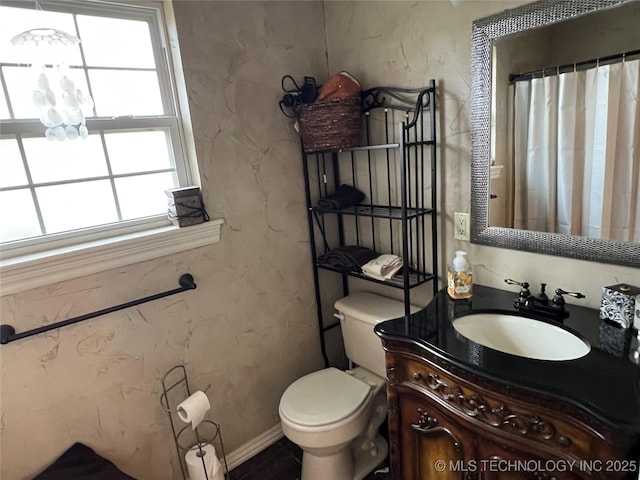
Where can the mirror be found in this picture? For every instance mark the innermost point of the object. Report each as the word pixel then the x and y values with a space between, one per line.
pixel 510 31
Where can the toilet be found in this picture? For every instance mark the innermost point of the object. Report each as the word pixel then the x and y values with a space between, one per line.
pixel 334 415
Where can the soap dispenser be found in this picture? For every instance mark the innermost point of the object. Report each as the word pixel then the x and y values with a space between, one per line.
pixel 459 277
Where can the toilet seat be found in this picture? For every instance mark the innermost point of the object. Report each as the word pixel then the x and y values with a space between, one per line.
pixel 323 397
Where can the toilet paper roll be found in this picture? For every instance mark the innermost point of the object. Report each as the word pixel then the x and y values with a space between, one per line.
pixel 193 409
pixel 202 464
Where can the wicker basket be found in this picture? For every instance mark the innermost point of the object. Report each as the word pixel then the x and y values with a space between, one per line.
pixel 330 125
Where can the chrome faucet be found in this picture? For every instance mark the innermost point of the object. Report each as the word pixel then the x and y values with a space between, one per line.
pixel 553 309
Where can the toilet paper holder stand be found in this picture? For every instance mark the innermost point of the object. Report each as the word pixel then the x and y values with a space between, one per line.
pixel 175 386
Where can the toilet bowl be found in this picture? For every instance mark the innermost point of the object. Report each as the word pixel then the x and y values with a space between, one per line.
pixel 334 415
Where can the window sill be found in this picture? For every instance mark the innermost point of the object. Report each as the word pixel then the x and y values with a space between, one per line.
pixel 36 270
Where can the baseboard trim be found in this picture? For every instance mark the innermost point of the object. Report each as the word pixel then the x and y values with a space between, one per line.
pixel 255 446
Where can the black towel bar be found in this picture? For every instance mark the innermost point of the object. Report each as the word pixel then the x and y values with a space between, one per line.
pixel 8 333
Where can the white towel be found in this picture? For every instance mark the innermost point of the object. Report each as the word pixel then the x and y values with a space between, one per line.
pixel 384 267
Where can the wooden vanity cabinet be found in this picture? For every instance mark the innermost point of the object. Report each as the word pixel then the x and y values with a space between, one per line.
pixel 446 423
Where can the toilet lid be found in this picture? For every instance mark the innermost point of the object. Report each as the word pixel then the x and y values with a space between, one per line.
pixel 323 397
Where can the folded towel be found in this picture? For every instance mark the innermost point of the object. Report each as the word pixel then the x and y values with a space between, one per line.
pixel 383 267
pixel 348 258
pixel 344 196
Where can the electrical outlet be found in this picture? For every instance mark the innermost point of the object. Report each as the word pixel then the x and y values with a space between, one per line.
pixel 461 226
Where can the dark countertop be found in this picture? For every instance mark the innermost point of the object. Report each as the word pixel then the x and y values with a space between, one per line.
pixel 605 382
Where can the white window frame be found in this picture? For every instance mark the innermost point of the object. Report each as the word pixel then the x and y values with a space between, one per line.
pixel 47 259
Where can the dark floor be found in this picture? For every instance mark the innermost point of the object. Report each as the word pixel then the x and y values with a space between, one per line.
pixel 281 461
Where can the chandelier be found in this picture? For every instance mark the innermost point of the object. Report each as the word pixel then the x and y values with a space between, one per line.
pixel 62 105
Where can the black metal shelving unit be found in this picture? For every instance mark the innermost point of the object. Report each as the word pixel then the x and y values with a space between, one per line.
pixel 397 171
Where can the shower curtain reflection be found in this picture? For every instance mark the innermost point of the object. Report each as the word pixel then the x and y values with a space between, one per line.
pixel 576 153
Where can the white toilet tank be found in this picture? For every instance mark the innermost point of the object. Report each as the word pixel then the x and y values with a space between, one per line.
pixel 359 312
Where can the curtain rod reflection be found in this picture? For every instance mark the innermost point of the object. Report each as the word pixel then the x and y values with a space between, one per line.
pixel 545 72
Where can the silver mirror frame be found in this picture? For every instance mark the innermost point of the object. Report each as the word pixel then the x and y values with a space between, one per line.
pixel 486 30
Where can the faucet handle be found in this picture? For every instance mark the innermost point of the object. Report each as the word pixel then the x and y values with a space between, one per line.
pixel 558 299
pixel 524 292
pixel 559 291
pixel 525 286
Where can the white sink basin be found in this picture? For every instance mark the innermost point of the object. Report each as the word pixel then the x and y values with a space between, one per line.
pixel 521 336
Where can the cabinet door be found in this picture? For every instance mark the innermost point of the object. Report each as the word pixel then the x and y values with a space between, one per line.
pixel 506 462
pixel 432 445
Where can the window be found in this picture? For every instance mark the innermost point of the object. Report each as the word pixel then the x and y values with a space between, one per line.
pixel 113 181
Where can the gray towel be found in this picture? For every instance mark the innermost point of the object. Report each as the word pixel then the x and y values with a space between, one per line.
pixel 349 258
pixel 344 196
